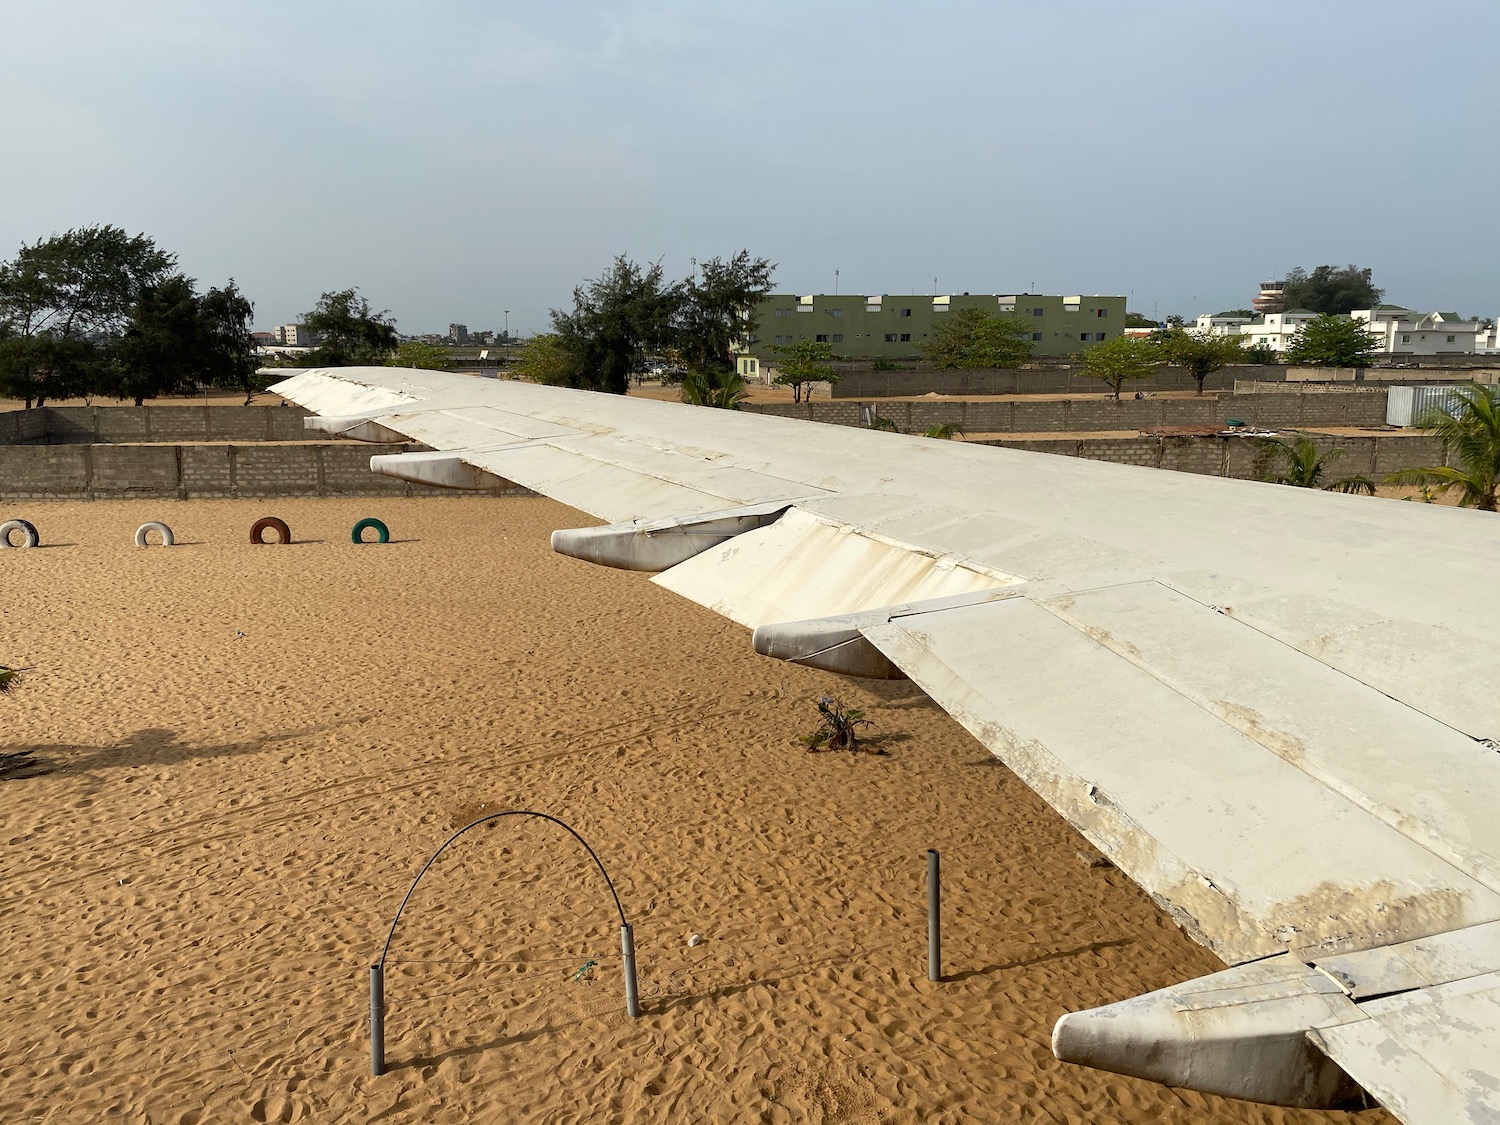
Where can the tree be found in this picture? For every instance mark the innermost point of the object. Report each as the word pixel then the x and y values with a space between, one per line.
pixel 803 364
pixel 349 333
pixel 161 349
pixel 970 338
pixel 548 358
pixel 721 389
pixel 1302 466
pixel 1332 341
pixel 714 313
pixel 228 349
pixel 415 353
pixel 1262 353
pixel 1120 360
pixel 1248 314
pixel 1199 356
pixel 947 431
pixel 1136 320
pixel 177 340
pixel 63 299
pixel 1472 438
pixel 616 319
pixel 1330 290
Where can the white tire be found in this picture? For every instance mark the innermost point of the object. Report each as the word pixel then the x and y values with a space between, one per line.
pixel 29 537
pixel 157 526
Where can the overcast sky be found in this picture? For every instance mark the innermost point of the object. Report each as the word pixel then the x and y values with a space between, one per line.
pixel 457 159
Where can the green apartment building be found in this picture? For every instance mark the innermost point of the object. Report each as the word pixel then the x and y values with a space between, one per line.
pixel 894 327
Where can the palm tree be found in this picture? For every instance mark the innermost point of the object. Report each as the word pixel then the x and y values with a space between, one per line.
pixel 7 675
pixel 948 431
pixel 881 423
pixel 723 390
pixel 1302 466
pixel 1472 438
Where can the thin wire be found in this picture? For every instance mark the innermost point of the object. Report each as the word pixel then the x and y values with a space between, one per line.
pixel 534 960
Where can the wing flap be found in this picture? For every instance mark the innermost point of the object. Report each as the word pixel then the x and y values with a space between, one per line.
pixel 1428 1055
pixel 1249 853
pixel 802 566
pixel 1373 750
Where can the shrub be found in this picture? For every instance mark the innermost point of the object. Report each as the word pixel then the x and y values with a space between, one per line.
pixel 837 730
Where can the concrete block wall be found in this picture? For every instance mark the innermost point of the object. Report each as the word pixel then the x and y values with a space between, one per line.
pixel 38 471
pixel 1061 379
pixel 1043 415
pixel 120 424
pixel 23 427
pixel 188 472
pixel 1242 458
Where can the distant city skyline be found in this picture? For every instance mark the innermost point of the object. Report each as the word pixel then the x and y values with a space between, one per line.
pixel 458 160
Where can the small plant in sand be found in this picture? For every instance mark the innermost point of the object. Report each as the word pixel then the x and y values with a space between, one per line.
pixel 839 727
pixel 19 763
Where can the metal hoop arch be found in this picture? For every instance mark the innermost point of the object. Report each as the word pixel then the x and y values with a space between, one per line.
pixel 389 937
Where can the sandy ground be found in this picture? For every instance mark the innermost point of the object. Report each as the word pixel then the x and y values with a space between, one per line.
pixel 245 753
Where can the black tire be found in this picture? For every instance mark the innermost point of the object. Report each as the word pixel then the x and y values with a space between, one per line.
pixel 29 536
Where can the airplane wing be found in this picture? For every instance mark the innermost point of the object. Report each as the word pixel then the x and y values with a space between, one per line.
pixel 1270 707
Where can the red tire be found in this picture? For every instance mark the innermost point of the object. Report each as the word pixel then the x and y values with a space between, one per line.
pixel 259 528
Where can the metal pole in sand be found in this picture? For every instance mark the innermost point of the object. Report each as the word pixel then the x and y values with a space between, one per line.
pixel 934 918
pixel 377 1019
pixel 627 948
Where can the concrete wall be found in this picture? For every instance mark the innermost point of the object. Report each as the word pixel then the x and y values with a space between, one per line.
pixel 1062 379
pixel 1289 408
pixel 1242 457
pixel 110 424
pixel 860 382
pixel 23 427
pixel 188 472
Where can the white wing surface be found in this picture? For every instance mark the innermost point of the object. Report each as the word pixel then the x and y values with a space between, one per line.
pixel 1270 707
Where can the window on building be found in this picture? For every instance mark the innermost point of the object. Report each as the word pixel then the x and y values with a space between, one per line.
pixel 822 337
pixel 890 337
pixel 1103 312
pixel 1406 339
pixel 835 312
pixel 1099 336
pixel 1085 336
pixel 904 312
pixel 1070 308
pixel 906 337
pixel 1450 339
pixel 1036 336
pixel 1037 312
pixel 838 337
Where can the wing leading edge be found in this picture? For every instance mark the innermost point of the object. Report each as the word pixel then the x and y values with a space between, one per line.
pixel 1229 689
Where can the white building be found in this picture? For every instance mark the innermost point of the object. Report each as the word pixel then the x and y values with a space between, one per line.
pixel 1275 330
pixel 295 335
pixel 1404 332
pixel 1220 324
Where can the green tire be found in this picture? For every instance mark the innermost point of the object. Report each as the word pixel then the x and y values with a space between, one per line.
pixel 382 533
